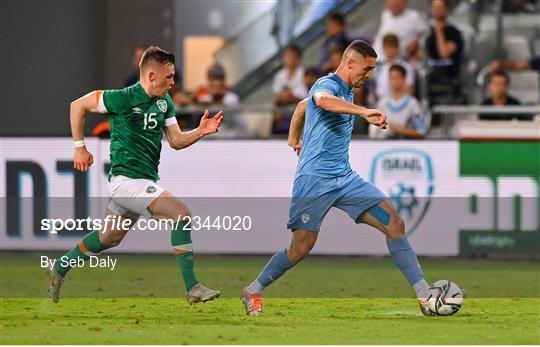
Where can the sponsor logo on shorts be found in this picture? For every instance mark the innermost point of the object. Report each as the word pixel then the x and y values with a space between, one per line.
pixel 162 104
pixel 305 218
pixel 151 189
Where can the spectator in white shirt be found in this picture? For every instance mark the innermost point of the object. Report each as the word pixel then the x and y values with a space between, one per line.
pixel 216 92
pixel 407 24
pixel 406 118
pixel 288 86
pixel 391 52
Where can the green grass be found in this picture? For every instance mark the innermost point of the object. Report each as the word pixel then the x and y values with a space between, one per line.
pixel 287 321
pixel 321 301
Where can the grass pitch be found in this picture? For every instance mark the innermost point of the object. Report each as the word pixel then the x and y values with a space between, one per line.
pixel 321 301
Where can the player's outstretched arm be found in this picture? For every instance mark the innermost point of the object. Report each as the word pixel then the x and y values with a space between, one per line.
pixel 297 125
pixel 333 104
pixel 180 140
pixel 82 158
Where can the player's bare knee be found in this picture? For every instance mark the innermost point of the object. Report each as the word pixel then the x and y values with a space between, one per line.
pixel 183 213
pixel 295 255
pixel 305 249
pixel 301 250
pixel 396 229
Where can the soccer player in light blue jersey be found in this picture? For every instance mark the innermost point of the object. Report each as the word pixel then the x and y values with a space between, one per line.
pixel 324 177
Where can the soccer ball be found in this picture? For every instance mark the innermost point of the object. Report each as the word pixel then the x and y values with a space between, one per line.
pixel 446 298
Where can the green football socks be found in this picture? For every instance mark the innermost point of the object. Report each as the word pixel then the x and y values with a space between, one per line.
pixel 183 248
pixel 89 245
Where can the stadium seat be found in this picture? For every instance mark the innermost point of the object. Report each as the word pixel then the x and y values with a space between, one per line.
pixel 517 48
pixel 525 86
pixel 536 46
pixel 258 124
pixel 484 47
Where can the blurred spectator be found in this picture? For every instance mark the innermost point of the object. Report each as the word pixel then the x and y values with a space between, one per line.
pixel 335 35
pixel 219 95
pixel 336 53
pixel 499 82
pixel 407 24
pixel 135 60
pixel 406 118
pixel 288 86
pixel 444 48
pixel 391 53
pixel 214 71
pixel 311 75
pixel 216 92
pixel 516 65
pixel 179 96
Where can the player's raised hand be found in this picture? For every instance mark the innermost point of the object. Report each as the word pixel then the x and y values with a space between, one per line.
pixel 82 159
pixel 208 125
pixel 376 117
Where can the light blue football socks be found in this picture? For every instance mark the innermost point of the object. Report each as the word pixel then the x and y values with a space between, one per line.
pixel 274 269
pixel 405 259
pixel 400 250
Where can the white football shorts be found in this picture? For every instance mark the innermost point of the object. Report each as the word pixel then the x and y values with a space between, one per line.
pixel 132 195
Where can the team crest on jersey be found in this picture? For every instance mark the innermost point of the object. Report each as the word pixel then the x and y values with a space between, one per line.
pixel 162 104
pixel 151 189
pixel 407 176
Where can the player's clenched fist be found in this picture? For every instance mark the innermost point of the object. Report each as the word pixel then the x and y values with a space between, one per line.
pixel 376 117
pixel 83 159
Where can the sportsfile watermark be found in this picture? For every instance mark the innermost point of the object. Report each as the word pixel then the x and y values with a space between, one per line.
pixel 439 226
pixel 93 261
pixel 187 223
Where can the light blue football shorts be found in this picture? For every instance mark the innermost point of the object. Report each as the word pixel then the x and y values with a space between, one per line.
pixel 313 197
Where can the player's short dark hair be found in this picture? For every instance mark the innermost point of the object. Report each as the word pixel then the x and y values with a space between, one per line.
pixel 398 68
pixel 295 49
pixel 337 17
pixel 500 73
pixel 313 71
pixel 390 40
pixel 361 47
pixel 154 53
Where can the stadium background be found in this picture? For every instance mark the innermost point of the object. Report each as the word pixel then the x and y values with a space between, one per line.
pixel 475 183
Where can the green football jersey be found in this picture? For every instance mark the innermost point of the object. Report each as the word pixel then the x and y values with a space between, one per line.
pixel 137 122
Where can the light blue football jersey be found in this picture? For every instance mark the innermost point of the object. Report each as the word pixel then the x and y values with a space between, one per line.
pixel 326 136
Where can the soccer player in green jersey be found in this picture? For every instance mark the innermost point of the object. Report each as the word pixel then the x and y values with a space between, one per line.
pixel 138 115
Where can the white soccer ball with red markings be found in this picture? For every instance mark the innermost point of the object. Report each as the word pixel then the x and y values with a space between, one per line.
pixel 446 298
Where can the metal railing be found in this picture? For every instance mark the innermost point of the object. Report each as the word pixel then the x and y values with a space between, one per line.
pixel 452 113
pixel 255 121
pixel 254 54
